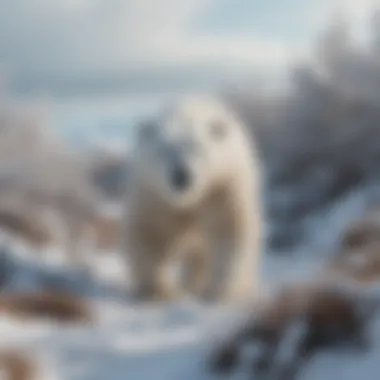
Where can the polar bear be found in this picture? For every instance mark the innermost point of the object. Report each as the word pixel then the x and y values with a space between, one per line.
pixel 195 199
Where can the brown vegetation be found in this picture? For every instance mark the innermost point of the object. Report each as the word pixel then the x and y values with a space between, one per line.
pixel 362 234
pixel 358 254
pixel 25 225
pixel 57 306
pixel 363 267
pixel 15 365
pixel 330 316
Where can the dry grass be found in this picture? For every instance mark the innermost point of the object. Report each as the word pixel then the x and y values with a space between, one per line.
pixel 363 267
pixel 329 317
pixel 57 306
pixel 358 255
pixel 26 226
pixel 15 365
pixel 362 234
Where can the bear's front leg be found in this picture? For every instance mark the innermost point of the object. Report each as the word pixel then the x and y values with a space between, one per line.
pixel 236 260
pixel 196 262
pixel 242 281
pixel 150 269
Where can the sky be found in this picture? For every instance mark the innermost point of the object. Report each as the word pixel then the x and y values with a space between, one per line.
pixel 148 44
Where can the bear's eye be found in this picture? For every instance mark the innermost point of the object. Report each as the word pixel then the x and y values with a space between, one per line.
pixel 218 129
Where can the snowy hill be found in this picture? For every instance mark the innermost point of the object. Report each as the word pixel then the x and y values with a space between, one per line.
pixel 146 341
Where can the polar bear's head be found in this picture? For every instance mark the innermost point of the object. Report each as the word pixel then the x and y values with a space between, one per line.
pixel 189 149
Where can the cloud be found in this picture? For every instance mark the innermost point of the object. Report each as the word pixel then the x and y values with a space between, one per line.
pixel 72 38
pixel 45 36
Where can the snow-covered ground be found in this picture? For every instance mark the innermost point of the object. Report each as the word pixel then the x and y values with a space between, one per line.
pixel 149 341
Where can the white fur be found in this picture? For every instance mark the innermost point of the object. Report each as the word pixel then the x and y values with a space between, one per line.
pixel 203 136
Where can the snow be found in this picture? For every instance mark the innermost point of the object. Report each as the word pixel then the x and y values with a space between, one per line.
pixel 150 341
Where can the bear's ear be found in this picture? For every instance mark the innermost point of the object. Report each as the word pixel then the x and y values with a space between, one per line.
pixel 146 130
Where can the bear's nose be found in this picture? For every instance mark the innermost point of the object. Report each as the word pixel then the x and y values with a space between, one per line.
pixel 180 178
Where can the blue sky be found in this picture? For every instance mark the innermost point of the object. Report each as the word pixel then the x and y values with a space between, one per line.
pixel 275 19
pixel 167 40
